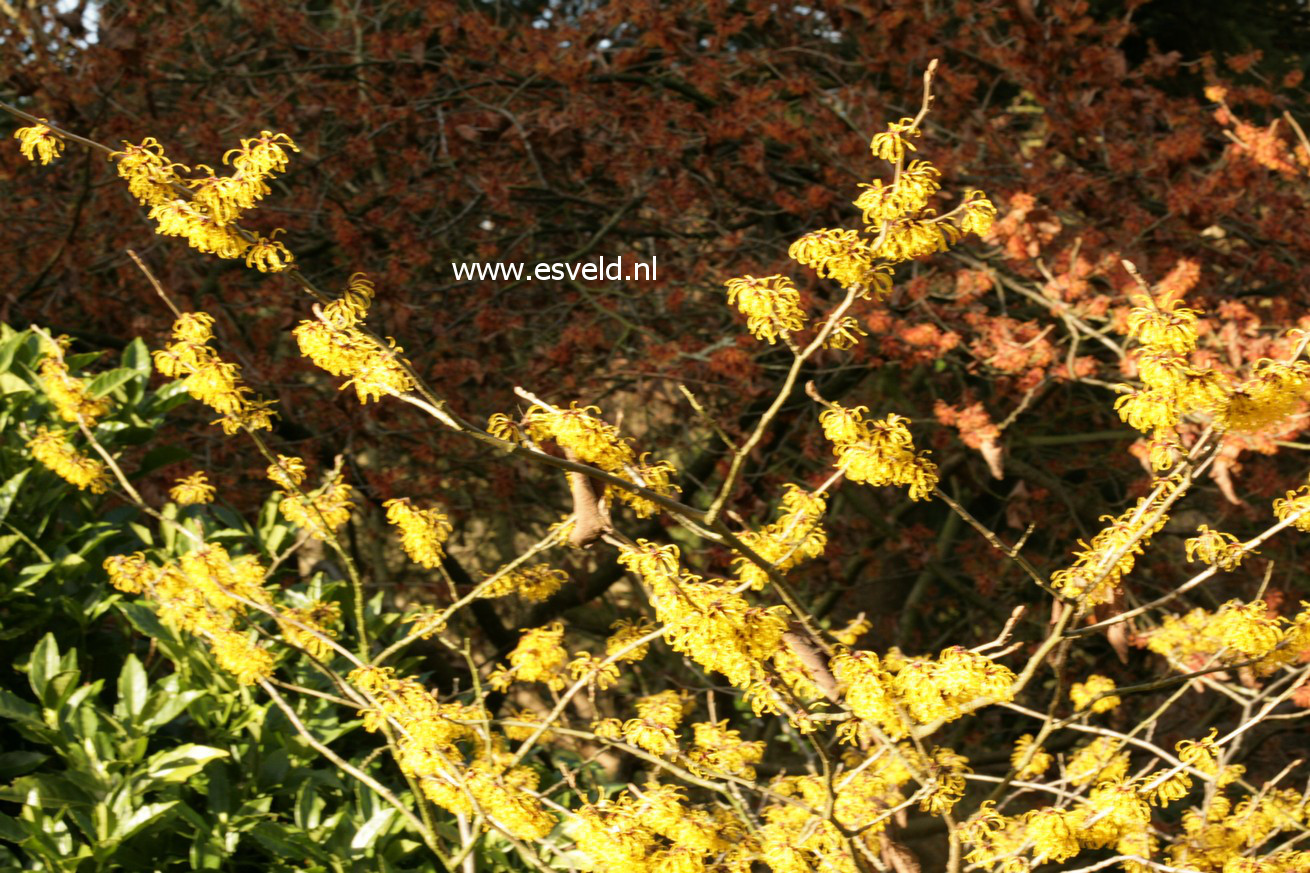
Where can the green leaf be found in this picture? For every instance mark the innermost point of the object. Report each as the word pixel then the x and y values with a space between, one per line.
pixel 133 687
pixel 146 815
pixel 109 381
pixel 43 665
pixel 15 764
pixel 137 357
pixel 17 709
pixel 365 836
pixel 9 491
pixel 180 764
pixel 10 345
pixel 11 384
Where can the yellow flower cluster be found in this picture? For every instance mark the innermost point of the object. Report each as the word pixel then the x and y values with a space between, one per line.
pixel 909 194
pixel 596 442
pixel 1223 838
pixel 1029 763
pixel 1296 504
pixel 892 143
pixel 896 692
pixel 706 619
pixel 534 583
pixel 717 748
pixel 654 830
pixel 796 536
pixel 879 452
pixel 305 627
pixel 538 657
pixel 658 716
pixel 1227 837
pixel 1085 694
pixel 771 305
pixel 207 219
pixel 203 593
pixel 1099 567
pixel 1103 759
pixel 192 490
pixel 52 449
pixel 842 255
pixel 67 392
pixel 287 473
pixel 321 511
pixel 1114 815
pixel 1235 633
pixel 1172 387
pixel 625 633
pixel 335 343
pixel 1215 548
pixel 593 670
pixel 432 744
pixel 1270 395
pixel 423 532
pixel 208 378
pixel 39 142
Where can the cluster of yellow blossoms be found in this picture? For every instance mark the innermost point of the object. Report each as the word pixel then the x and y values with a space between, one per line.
pixel 534 583
pixel 206 217
pixel 654 830
pixel 39 142
pixel 771 305
pixel 52 449
pixel 208 378
pixel 1094 693
pixel 539 657
pixel 192 490
pixel 896 693
pixel 796 536
pixel 204 593
pixel 1099 567
pixel 456 768
pixel 423 532
pixel 1173 387
pixel 335 343
pixel 321 511
pixel 899 225
pixel 1215 548
pixel 588 439
pixel 67 392
pixel 73 403
pixel 707 620
pixel 1235 633
pixel 878 452
pixel 1116 814
pixel 1296 507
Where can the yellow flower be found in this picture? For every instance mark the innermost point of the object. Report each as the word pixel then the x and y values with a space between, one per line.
pixel 236 654
pixel 891 145
pixel 771 305
pixel 422 531
pixel 538 657
pixel 193 489
pixel 1085 694
pixel 39 142
pixel 67 392
pixel 306 626
pixel 321 511
pixel 269 255
pixel 263 155
pixel 1038 764
pixel 1215 548
pixel 51 448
